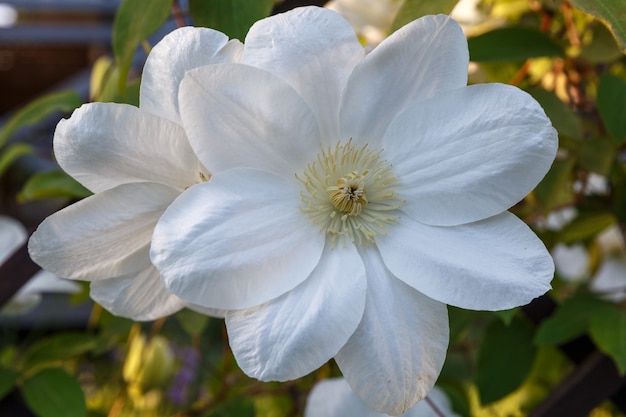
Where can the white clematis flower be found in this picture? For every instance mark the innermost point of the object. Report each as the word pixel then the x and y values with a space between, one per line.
pixel 353 196
pixel 136 161
pixel 334 398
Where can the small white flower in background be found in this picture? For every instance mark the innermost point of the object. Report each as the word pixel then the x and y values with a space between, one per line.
pixel 334 398
pixel 12 235
pixel 353 196
pixel 574 264
pixel 136 161
pixel 372 19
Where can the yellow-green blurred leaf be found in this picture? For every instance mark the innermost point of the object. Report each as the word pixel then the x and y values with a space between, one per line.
pixel 603 48
pixel 51 184
pixel 134 22
pixel 37 110
pixel 414 9
pixel 586 226
pixel 11 153
pixel 611 12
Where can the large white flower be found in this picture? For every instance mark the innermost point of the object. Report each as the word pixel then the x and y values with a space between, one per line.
pixel 334 398
pixel 352 197
pixel 136 161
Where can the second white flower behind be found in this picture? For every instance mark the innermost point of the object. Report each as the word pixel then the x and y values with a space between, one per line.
pixel 353 196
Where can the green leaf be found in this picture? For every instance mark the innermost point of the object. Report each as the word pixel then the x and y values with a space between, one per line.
pixel 37 110
pixel 134 22
pixel 11 153
pixel 414 9
pixel 232 17
pixel 570 320
pixel 612 106
pixel 608 331
pixel 59 347
pixel 51 184
pixel 586 226
pixel 54 393
pixel 512 44
pixel 611 12
pixel 602 48
pixel 193 323
pixel 505 359
pixel 556 187
pixel 8 378
pixel 597 155
pixel 562 117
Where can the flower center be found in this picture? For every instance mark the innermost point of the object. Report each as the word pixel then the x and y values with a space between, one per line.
pixel 350 192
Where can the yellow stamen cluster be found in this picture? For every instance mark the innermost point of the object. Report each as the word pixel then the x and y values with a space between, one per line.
pixel 350 192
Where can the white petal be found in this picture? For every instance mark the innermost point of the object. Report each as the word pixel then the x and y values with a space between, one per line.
pixel 45 281
pixel 12 235
pixel 237 241
pixel 470 153
pixel 334 398
pixel 395 356
pixel 493 264
pixel 240 116
pixel 106 144
pixel 184 49
pixel 102 236
pixel 425 57
pixel 298 332
pixel 314 50
pixel 137 296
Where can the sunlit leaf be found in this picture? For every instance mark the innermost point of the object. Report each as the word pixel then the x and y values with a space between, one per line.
pixel 611 12
pixel 134 22
pixel 51 184
pixel 505 359
pixel 11 153
pixel 414 9
pixel 8 378
pixel 37 110
pixel 612 105
pixel 54 393
pixel 586 226
pixel 59 347
pixel 608 331
pixel 232 17
pixel 512 44
pixel 570 320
